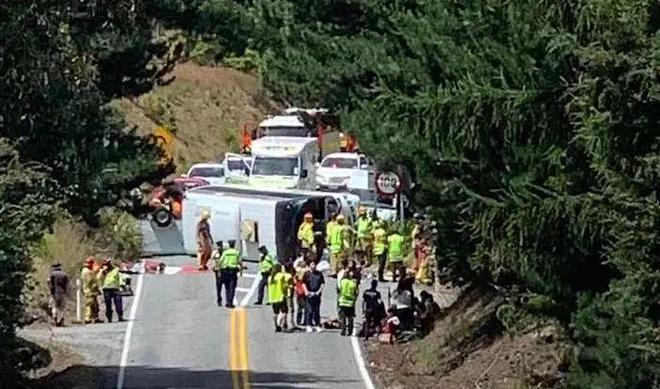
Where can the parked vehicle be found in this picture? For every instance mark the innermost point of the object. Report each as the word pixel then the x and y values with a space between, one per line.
pixel 284 162
pixel 294 122
pixel 166 200
pixel 236 167
pixel 214 173
pixel 253 218
pixel 343 171
pixel 382 211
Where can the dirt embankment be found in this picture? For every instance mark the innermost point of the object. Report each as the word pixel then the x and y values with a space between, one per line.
pixel 204 108
pixel 469 348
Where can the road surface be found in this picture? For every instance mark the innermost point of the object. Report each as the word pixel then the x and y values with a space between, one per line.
pixel 179 338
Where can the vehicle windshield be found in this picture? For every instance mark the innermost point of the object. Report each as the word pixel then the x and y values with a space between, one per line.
pixel 287 131
pixel 272 166
pixel 235 164
pixel 340 163
pixel 206 172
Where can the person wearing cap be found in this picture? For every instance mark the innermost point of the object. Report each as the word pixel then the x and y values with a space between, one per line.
pixel 58 283
pixel 336 242
pixel 91 291
pixel 230 266
pixel 266 263
pixel 306 234
pixel 380 248
pixel 217 254
pixel 110 280
pixel 204 240
pixel 364 227
pixel 395 252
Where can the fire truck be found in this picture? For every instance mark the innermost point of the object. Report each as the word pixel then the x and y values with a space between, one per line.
pixel 298 122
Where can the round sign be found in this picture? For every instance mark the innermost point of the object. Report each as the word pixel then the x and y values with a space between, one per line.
pixel 388 183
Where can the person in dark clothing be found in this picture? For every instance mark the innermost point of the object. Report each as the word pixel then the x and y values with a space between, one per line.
pixel 266 263
pixel 219 249
pixel 428 312
pixel 231 266
pixel 59 285
pixel 372 305
pixel 313 282
pixel 405 281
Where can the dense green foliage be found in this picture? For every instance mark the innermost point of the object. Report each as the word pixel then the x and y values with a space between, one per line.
pixel 532 130
pixel 27 209
pixel 216 29
pixel 59 145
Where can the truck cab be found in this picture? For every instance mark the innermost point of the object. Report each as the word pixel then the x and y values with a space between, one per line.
pixel 284 162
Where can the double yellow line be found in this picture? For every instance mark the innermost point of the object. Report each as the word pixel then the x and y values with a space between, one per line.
pixel 238 349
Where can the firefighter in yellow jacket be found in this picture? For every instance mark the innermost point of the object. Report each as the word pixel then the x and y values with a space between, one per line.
pixel 364 244
pixel 336 243
pixel 306 234
pixel 91 291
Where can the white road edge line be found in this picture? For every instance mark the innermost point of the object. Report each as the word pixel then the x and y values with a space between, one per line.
pixel 242 290
pixel 366 378
pixel 129 330
pixel 250 292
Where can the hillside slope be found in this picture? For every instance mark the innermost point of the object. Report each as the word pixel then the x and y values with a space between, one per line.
pixel 204 107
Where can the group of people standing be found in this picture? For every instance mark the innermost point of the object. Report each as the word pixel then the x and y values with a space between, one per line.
pixel 105 281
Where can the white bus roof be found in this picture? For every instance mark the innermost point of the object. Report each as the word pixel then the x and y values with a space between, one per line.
pixel 282 121
pixel 280 145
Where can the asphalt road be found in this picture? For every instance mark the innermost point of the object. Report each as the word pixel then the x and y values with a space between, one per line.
pixel 180 338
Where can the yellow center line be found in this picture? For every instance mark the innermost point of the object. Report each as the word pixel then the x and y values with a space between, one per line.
pixel 233 355
pixel 243 348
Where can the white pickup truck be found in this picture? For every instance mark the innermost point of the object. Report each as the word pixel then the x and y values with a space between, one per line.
pixel 234 168
pixel 343 171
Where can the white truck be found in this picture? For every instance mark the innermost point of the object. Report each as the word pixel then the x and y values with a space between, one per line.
pixel 284 162
pixel 253 218
pixel 344 171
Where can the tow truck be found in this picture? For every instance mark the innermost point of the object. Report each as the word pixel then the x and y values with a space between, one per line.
pixel 293 122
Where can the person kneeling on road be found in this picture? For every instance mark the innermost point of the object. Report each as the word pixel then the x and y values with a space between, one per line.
pixel 230 266
pixel 348 291
pixel 266 263
pixel 277 295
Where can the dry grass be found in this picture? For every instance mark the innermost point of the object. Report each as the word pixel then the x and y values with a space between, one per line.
pixel 204 106
pixel 69 242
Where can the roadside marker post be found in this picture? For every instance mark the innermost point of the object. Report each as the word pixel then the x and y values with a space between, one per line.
pixel 78 301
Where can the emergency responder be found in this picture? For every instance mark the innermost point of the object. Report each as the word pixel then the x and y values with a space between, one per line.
pixel 230 266
pixel 380 248
pixel 204 240
pixel 348 291
pixel 336 242
pixel 348 238
pixel 395 252
pixel 110 281
pixel 306 234
pixel 364 227
pixel 266 263
pixel 58 282
pixel 277 296
pixel 332 223
pixel 91 291
pixel 217 254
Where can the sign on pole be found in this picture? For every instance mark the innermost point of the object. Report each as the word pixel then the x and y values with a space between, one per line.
pixel 388 183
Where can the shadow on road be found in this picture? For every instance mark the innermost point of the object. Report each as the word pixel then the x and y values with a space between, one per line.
pixel 88 377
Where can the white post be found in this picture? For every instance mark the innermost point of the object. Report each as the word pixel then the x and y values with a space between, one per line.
pixel 401 210
pixel 78 301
